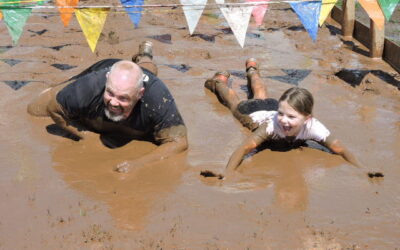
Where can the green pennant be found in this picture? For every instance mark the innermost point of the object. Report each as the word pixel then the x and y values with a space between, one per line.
pixel 15 20
pixel 388 7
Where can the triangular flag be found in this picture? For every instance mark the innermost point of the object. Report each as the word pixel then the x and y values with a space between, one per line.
pixel 92 22
pixel 193 13
pixel 326 7
pixel 308 12
pixel 258 11
pixel 15 20
pixel 374 12
pixel 1 15
pixel 388 7
pixel 66 13
pixel 238 19
pixel 135 13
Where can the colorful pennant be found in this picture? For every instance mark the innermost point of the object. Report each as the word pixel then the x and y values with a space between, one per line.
pixel 92 22
pixel 15 19
pixel 66 13
pixel 238 19
pixel 308 13
pixel 374 12
pixel 326 8
pixel 135 13
pixel 388 7
pixel 258 12
pixel 1 15
pixel 193 13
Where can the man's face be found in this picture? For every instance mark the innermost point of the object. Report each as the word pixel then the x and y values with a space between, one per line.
pixel 120 95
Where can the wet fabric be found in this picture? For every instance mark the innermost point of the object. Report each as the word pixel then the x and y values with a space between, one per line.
pixel 83 99
pixel 253 105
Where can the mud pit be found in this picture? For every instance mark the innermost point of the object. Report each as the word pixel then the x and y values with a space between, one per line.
pixel 62 194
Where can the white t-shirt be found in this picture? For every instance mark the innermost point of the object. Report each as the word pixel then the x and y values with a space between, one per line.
pixel 312 129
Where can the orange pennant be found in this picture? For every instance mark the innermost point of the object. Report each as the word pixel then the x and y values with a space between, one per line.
pixel 1 15
pixel 374 12
pixel 66 13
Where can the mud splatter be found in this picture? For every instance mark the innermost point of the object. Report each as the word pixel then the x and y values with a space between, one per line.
pixel 11 62
pixel 375 175
pixel 181 67
pixel 296 28
pixel 293 76
pixel 15 85
pixel 63 66
pixel 165 38
pixel 39 33
pixel 226 31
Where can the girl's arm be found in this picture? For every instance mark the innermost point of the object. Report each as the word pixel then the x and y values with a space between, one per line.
pixel 337 147
pixel 254 140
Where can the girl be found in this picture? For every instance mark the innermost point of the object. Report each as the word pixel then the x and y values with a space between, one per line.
pixel 282 125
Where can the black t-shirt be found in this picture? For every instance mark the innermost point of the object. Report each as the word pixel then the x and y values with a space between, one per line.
pixel 83 99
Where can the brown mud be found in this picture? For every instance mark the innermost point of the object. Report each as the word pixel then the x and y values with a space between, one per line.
pixel 61 194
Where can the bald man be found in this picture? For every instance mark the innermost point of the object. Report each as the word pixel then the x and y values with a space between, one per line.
pixel 122 101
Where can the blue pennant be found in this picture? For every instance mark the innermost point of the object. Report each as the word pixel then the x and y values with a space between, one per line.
pixel 308 12
pixel 135 13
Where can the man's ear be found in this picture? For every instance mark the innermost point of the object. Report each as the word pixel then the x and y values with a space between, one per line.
pixel 107 74
pixel 141 92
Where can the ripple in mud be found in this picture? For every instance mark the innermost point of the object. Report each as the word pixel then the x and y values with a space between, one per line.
pixel 39 33
pixel 207 38
pixel 63 66
pixel 296 28
pixel 293 76
pixel 256 36
pixel 58 47
pixel 354 77
pixel 375 175
pixel 226 31
pixel 181 67
pixel 11 62
pixel 15 85
pixel 5 48
pixel 166 38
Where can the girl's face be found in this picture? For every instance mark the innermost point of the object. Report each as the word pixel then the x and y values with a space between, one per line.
pixel 290 120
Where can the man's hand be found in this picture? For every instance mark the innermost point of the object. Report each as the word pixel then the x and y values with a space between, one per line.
pixel 123 167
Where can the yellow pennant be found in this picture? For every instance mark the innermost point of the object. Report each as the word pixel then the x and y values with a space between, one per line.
pixel 326 7
pixel 92 22
pixel 1 15
pixel 374 12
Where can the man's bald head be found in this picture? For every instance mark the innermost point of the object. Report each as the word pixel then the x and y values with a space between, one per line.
pixel 124 88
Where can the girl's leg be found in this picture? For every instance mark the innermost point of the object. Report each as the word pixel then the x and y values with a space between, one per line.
pixel 255 82
pixel 219 85
pixel 144 58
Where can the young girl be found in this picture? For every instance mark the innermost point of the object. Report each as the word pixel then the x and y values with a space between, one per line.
pixel 282 125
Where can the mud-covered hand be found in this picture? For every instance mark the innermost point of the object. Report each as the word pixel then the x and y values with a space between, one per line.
pixel 125 166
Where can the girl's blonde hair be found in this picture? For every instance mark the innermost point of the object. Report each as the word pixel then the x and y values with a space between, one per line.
pixel 300 99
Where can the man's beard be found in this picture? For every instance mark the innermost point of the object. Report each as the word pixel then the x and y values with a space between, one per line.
pixel 112 117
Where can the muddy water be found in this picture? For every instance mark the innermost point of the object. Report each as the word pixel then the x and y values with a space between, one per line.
pixel 58 193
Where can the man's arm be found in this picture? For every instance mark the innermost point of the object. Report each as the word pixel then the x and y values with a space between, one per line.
pixel 174 141
pixel 252 142
pixel 57 114
pixel 336 146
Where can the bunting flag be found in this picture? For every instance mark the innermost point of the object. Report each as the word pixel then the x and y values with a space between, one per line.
pixel 258 12
pixel 388 7
pixel 193 13
pixel 308 13
pixel 238 19
pixel 374 12
pixel 66 13
pixel 1 15
pixel 92 22
pixel 135 13
pixel 326 8
pixel 15 19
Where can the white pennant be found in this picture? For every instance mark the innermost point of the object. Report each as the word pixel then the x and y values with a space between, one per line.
pixel 238 19
pixel 193 13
